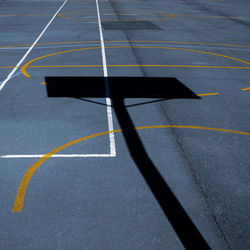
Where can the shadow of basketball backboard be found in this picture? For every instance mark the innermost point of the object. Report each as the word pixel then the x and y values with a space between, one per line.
pixel 118 89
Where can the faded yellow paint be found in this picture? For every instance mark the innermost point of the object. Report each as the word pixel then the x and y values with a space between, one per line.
pixel 200 16
pixel 72 13
pixel 23 69
pixel 245 89
pixel 208 94
pixel 18 205
pixel 128 65
pixel 139 65
pixel 135 41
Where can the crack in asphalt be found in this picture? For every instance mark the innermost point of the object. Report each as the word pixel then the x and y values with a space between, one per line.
pixel 195 178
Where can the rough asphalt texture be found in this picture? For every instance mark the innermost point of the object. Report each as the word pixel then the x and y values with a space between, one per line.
pixel 104 203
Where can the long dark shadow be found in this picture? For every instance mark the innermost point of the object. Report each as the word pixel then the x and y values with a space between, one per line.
pixel 182 224
pixel 138 87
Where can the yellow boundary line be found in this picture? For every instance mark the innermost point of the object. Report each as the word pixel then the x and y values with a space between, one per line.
pixel 245 89
pixel 94 19
pixel 66 14
pixel 161 12
pixel 10 15
pixel 18 205
pixel 185 66
pixel 135 41
pixel 123 65
pixel 23 69
pixel 198 16
pixel 208 94
pixel 139 65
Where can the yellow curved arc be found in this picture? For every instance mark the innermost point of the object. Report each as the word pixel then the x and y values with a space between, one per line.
pixel 18 205
pixel 94 11
pixel 137 65
pixel 205 52
pixel 245 89
pixel 129 65
pixel 118 14
pixel 92 19
pixel 132 20
pixel 200 16
pixel 23 69
pixel 135 41
pixel 26 178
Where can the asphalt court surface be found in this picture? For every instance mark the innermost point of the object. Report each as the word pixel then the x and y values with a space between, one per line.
pixel 91 193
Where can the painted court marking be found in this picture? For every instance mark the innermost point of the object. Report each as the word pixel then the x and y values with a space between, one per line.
pixel 18 73
pixel 71 15
pixel 108 100
pixel 30 48
pixel 134 41
pixel 207 94
pixel 245 89
pixel 18 205
pixel 25 66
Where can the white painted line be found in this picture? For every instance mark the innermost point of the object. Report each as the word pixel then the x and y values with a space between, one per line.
pixel 108 102
pixel 18 73
pixel 30 48
pixel 105 72
pixel 57 156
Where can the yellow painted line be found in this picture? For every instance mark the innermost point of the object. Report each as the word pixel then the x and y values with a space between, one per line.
pixel 23 69
pixel 56 43
pixel 117 14
pixel 62 15
pixel 208 94
pixel 9 67
pixel 132 65
pixel 245 89
pixel 137 41
pixel 198 16
pixel 131 20
pixel 219 44
pixel 110 9
pixel 139 65
pixel 139 14
pixel 69 14
pixel 18 205
pixel 9 15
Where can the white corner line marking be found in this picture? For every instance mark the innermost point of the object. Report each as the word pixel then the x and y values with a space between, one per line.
pixel 108 100
pixel 56 156
pixel 30 48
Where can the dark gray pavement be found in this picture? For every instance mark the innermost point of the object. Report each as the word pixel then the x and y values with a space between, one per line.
pixel 104 202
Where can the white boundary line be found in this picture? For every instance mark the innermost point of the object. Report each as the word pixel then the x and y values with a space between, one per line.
pixel 108 100
pixel 30 48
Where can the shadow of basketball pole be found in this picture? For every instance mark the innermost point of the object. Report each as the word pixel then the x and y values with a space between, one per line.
pixel 119 88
